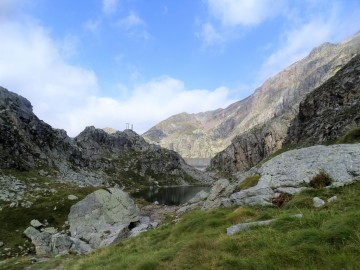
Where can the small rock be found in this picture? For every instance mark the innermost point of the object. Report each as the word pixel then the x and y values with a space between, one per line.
pixel 318 202
pixel 1 243
pixel 243 226
pixel 35 223
pixel 51 230
pixel 72 197
pixel 156 203
pixel 332 199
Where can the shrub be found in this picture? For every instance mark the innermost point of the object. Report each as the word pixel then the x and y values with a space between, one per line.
pixel 322 179
pixel 281 199
pixel 352 136
pixel 249 182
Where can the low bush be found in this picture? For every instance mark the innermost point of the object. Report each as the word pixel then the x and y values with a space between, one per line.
pixel 250 181
pixel 321 180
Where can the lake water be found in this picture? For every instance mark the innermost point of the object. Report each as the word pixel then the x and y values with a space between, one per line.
pixel 175 195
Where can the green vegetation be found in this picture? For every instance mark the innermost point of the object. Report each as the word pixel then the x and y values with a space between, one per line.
pixel 352 136
pixel 51 206
pixel 249 182
pixel 325 238
pixel 321 180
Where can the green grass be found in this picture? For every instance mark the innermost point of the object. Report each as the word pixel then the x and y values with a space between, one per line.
pixel 248 182
pixel 352 136
pixel 325 238
pixel 15 220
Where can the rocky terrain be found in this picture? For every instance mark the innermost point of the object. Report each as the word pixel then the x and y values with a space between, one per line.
pixel 94 157
pixel 325 115
pixel 330 111
pixel 285 175
pixel 203 135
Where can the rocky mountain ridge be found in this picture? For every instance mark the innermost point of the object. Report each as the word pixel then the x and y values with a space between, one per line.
pixel 203 135
pixel 94 157
pixel 325 115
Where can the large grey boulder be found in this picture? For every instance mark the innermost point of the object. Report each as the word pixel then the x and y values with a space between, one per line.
pixel 292 171
pixel 297 167
pixel 103 217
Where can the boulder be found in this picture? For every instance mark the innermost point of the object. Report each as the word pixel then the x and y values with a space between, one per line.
pixel 55 244
pixel 103 217
pixel 41 240
pixel 318 202
pixel 217 190
pixel 296 168
pixel 35 223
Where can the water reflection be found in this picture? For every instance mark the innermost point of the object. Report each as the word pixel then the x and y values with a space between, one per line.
pixel 170 195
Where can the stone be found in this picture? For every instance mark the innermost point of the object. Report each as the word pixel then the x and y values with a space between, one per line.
pixel 318 202
pixel 332 199
pixel 35 223
pixel 72 197
pixel 297 167
pixel 139 229
pixel 41 240
pixel 213 200
pixel 60 244
pixel 79 247
pixel 243 226
pixel 251 196
pixel 1 243
pixel 50 230
pixel 200 196
pixel 103 217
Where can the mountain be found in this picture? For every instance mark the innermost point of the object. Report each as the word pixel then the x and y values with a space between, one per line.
pixel 328 113
pixel 202 135
pixel 94 157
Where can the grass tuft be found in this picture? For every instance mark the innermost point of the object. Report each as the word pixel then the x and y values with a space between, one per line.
pixel 250 181
pixel 321 180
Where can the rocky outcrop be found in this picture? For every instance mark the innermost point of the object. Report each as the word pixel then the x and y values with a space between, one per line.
pixel 103 217
pixel 203 135
pixel 250 148
pixel 287 173
pixel 292 171
pixel 94 157
pixel 55 244
pixel 329 111
pixel 326 114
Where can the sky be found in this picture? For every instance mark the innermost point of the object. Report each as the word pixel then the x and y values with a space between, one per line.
pixel 110 62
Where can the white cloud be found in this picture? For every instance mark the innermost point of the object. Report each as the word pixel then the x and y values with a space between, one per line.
pixel 110 6
pixel 67 96
pixel 130 21
pixel 148 104
pixel 244 12
pixel 299 40
pixel 93 25
pixel 134 25
pixel 210 35
pixel 31 64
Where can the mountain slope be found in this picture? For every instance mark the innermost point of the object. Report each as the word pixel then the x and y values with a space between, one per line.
pixel 94 157
pixel 325 115
pixel 202 135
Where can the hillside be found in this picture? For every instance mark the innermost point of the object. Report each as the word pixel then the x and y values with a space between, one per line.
pixel 324 238
pixel 94 157
pixel 325 115
pixel 203 135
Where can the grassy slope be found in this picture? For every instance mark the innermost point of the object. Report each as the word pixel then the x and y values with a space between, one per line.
pixel 326 238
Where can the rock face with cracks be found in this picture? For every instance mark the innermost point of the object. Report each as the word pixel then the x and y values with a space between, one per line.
pixel 103 217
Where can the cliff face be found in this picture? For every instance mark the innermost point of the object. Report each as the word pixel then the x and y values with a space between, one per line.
pixel 205 134
pixel 325 115
pixel 330 111
pixel 93 157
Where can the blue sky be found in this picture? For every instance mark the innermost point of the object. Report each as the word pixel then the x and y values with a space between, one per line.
pixel 109 62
